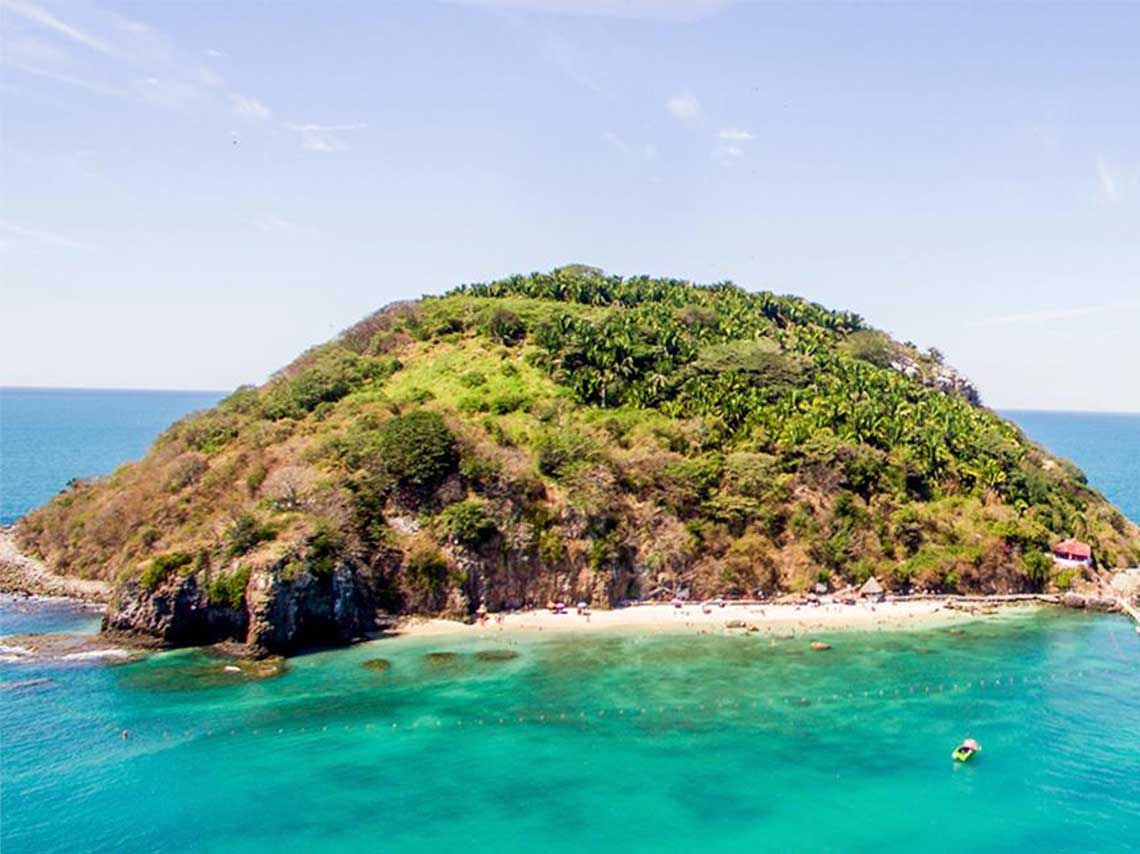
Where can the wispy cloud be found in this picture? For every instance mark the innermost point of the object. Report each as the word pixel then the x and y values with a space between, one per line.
pixel 1050 315
pixel 249 108
pixel 568 61
pixel 726 153
pixel 645 151
pixel 143 64
pixel 323 138
pixel 214 54
pixel 145 67
pixel 616 141
pixel 684 107
pixel 668 10
pixel 1109 181
pixel 731 145
pixel 48 238
pixel 271 223
pixel 57 74
pixel 38 15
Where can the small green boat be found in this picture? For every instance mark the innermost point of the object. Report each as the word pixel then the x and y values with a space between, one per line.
pixel 966 750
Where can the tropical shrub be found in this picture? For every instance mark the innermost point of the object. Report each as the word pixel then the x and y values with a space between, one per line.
pixel 245 533
pixel 417 449
pixel 162 567
pixel 229 589
pixel 467 523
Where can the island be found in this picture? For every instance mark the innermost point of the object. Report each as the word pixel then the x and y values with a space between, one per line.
pixel 574 437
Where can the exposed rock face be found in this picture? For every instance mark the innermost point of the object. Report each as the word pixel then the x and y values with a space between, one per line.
pixel 177 613
pixel 1127 583
pixel 287 614
pixel 942 377
pixel 277 615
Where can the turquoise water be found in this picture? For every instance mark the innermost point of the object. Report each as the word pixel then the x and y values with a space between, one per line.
pixel 625 742
pixel 631 742
pixel 49 436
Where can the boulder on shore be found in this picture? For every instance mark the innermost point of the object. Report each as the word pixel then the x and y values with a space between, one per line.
pixel 1090 602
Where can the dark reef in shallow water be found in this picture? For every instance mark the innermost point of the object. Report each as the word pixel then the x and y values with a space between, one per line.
pixel 496 655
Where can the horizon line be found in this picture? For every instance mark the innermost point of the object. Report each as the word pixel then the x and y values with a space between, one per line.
pixel 153 389
pixel 156 390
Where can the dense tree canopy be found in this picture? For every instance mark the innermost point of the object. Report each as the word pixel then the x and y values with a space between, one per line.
pixel 577 434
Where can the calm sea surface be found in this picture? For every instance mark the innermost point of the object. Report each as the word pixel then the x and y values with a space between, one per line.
pixel 1106 447
pixel 628 742
pixel 49 436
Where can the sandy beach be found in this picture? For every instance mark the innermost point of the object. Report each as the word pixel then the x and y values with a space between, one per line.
pixel 775 619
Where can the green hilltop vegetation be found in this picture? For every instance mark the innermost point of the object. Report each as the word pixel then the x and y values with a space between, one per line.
pixel 577 435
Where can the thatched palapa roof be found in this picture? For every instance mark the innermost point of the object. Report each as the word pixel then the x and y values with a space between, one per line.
pixel 871 587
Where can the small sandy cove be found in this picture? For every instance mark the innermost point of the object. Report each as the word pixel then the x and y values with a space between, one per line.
pixel 782 619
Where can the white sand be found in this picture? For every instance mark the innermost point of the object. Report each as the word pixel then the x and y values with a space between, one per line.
pixel 774 619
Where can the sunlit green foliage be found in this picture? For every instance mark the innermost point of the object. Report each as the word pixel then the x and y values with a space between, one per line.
pixel 229 589
pixel 162 567
pixel 634 436
pixel 467 523
pixel 417 449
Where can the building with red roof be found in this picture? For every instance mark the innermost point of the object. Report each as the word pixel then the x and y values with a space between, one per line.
pixel 1071 552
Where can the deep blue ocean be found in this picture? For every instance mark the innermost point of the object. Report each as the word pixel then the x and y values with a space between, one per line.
pixel 1105 446
pixel 625 742
pixel 49 436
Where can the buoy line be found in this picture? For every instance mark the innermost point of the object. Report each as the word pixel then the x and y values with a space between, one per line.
pixel 771 710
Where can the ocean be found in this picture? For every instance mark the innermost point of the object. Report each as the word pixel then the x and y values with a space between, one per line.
pixel 49 436
pixel 1105 446
pixel 623 742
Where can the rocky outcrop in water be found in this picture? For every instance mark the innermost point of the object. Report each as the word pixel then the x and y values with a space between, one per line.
pixel 307 610
pixel 65 648
pixel 277 613
pixel 177 613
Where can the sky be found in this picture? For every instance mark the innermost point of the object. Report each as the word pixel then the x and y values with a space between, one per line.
pixel 195 192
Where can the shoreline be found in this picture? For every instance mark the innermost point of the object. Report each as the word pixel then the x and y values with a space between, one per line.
pixel 22 575
pixel 25 578
pixel 779 619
